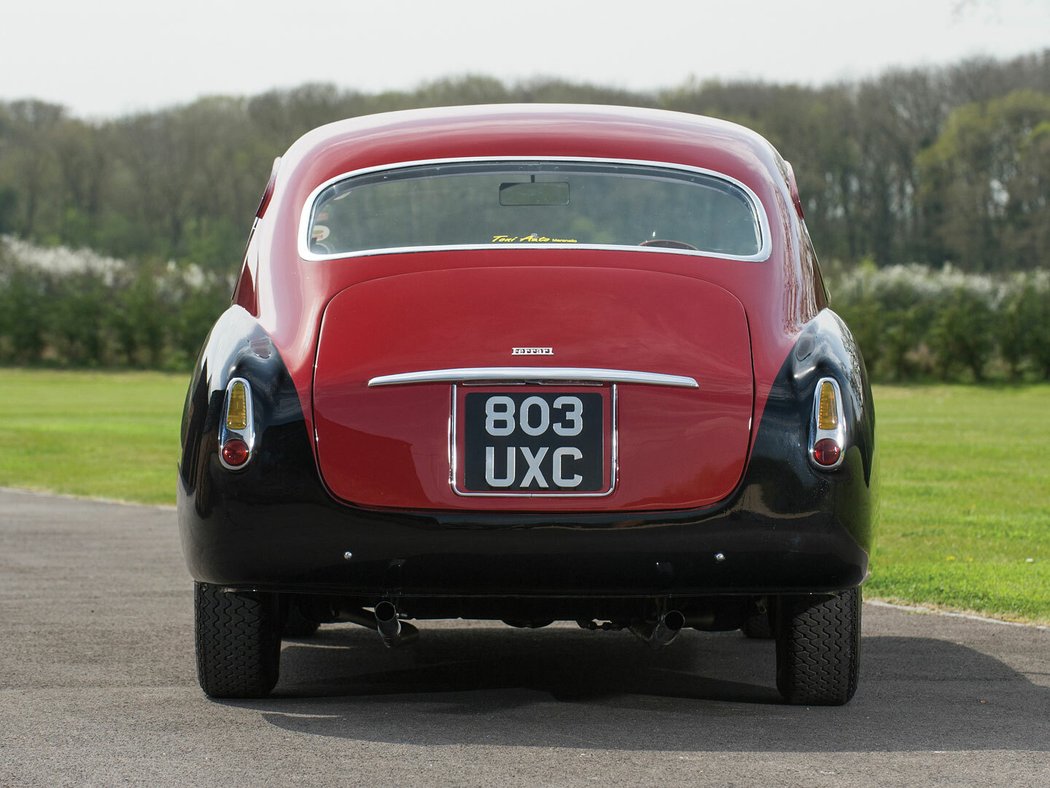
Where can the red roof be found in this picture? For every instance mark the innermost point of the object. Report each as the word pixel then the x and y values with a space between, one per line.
pixel 576 131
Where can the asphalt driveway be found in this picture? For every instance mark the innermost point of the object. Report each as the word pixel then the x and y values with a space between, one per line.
pixel 98 687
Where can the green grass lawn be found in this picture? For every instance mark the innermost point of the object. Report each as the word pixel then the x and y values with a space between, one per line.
pixel 965 498
pixel 105 435
pixel 965 515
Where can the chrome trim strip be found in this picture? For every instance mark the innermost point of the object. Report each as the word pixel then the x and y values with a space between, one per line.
pixel 614 463
pixel 757 205
pixel 534 375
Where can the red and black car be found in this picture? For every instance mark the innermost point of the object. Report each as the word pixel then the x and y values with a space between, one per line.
pixel 530 364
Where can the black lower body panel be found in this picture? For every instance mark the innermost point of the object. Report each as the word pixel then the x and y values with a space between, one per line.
pixel 788 528
pixel 317 548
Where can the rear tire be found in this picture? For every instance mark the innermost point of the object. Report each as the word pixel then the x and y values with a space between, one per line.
pixel 818 648
pixel 238 642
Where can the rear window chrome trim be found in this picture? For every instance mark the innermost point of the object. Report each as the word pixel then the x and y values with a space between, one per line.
pixel 757 206
pixel 512 375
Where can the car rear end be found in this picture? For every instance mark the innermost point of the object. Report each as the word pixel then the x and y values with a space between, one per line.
pixel 556 415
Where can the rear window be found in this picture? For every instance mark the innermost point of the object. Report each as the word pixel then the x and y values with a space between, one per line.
pixel 528 203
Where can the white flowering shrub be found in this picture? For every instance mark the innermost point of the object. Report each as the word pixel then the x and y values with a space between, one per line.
pixel 963 331
pixel 914 322
pixel 891 311
pixel 78 308
pixel 61 260
pixel 1024 323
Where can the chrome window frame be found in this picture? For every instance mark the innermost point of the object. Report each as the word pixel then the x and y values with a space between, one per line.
pixel 757 207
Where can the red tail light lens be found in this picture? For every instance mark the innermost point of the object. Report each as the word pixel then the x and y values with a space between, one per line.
pixel 826 452
pixel 235 452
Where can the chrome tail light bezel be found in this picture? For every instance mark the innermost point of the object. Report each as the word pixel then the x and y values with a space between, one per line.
pixel 816 434
pixel 227 434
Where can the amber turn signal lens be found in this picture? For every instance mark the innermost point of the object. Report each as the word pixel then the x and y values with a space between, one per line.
pixel 828 411
pixel 237 407
pixel 826 452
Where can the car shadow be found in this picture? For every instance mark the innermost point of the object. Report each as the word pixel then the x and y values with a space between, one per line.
pixel 607 690
pixel 704 692
pixel 565 664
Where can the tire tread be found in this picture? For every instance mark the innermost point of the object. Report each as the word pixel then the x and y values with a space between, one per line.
pixel 237 642
pixel 818 648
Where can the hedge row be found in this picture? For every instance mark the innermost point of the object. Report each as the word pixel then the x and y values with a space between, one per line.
pixel 915 323
pixel 79 309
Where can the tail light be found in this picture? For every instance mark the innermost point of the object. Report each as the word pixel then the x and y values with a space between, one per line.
pixel 237 430
pixel 827 434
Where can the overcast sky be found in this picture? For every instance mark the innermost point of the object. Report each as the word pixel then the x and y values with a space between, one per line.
pixel 112 57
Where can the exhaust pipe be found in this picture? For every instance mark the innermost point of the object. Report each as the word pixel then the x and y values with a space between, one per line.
pixel 662 632
pixel 392 629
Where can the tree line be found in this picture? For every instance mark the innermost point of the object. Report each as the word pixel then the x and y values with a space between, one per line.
pixel 922 165
pixel 925 166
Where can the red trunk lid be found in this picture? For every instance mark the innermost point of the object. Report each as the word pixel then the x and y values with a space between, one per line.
pixel 661 444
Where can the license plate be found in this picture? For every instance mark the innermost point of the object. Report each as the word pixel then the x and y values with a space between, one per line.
pixel 534 442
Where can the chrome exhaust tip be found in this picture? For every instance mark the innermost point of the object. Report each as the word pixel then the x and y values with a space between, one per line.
pixel 392 630
pixel 661 632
